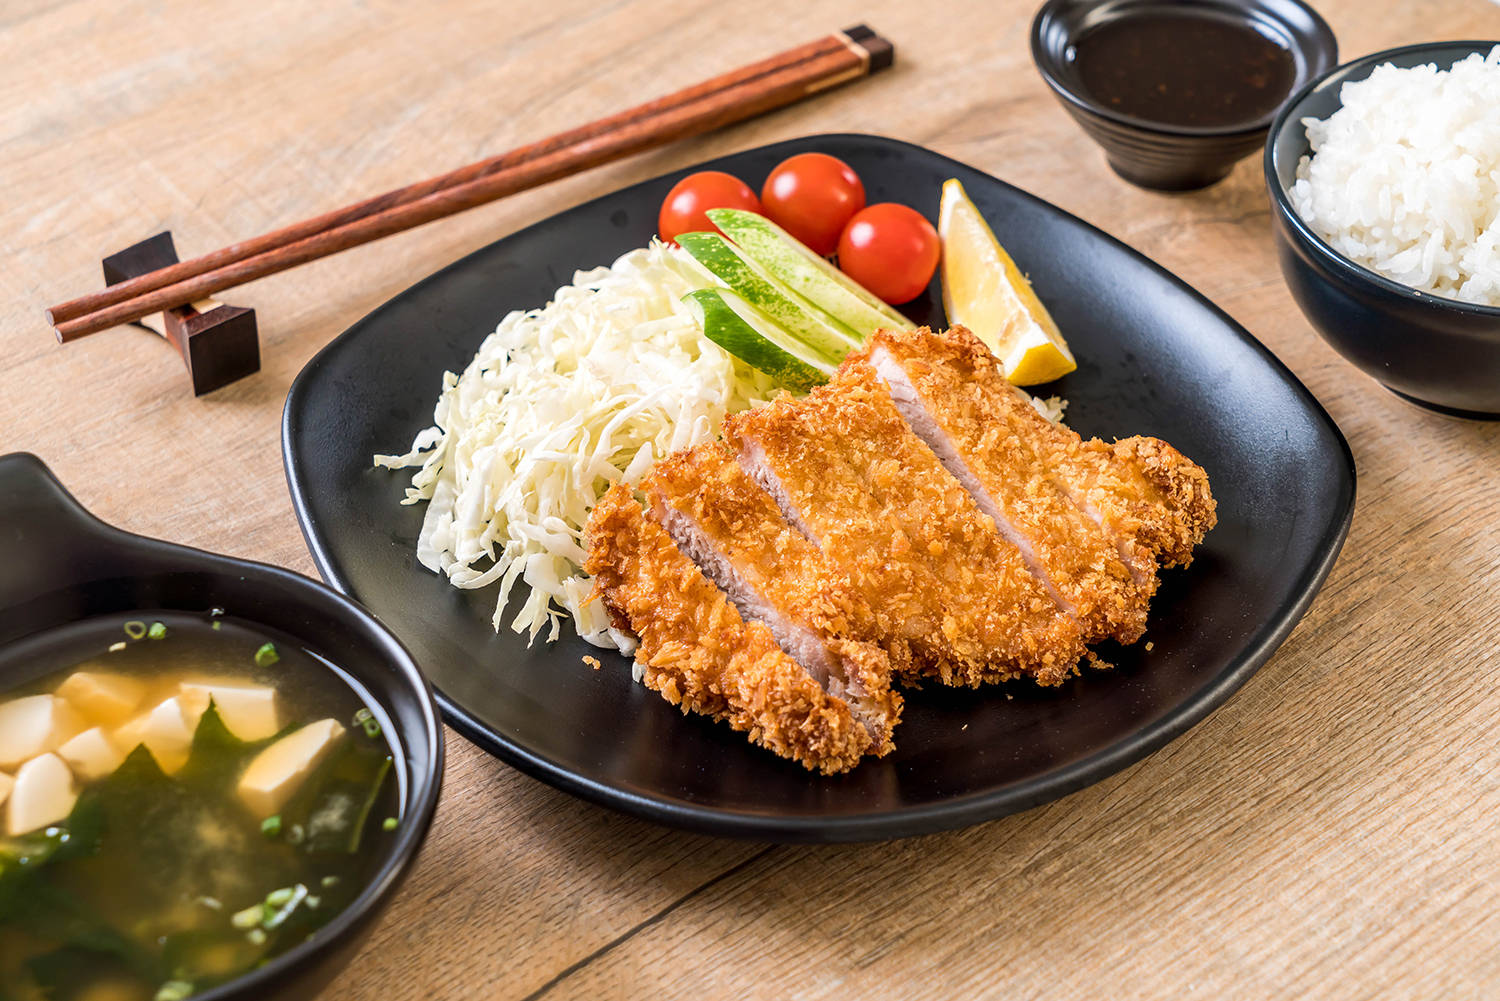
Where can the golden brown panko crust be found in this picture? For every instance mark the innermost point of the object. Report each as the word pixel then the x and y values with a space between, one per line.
pixel 904 570
pixel 963 389
pixel 701 655
pixel 788 571
pixel 1181 510
pixel 1155 501
pixel 908 536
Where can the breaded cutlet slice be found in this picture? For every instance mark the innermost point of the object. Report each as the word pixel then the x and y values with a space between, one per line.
pixel 1142 488
pixel 847 471
pixel 736 535
pixel 1152 500
pixel 697 651
pixel 954 396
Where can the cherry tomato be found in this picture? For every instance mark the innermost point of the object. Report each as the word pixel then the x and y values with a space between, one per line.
pixel 683 211
pixel 812 196
pixel 891 250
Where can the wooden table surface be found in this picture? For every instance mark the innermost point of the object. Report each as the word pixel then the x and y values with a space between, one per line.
pixel 1333 831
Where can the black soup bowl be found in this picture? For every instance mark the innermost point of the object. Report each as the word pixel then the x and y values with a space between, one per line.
pixel 1441 353
pixel 1157 155
pixel 62 566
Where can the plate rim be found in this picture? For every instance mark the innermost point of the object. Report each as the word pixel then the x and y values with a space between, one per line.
pixel 947 814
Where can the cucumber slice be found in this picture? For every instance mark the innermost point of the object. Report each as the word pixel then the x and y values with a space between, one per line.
pixel 775 301
pixel 807 274
pixel 740 329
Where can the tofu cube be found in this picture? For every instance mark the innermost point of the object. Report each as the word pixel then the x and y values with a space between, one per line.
pixel 103 699
pixel 167 732
pixel 43 794
pixel 276 773
pixel 249 711
pixel 5 784
pixel 34 725
pixel 91 755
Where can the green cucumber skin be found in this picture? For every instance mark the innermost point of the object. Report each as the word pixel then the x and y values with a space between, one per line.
pixel 809 324
pixel 725 327
pixel 805 273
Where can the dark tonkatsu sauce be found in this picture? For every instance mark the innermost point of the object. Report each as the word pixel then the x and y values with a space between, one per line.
pixel 1184 68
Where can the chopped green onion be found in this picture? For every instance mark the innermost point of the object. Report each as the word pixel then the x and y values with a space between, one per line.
pixel 157 631
pixel 217 625
pixel 330 881
pixel 256 936
pixel 117 647
pixel 135 629
pixel 295 835
pixel 271 826
pixel 174 990
pixel 212 903
pixel 366 719
pixel 293 896
pixel 249 917
pixel 313 901
pixel 389 824
pixel 266 655
pixel 215 612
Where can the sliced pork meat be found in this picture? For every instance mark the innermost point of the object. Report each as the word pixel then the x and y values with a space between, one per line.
pixel 914 544
pixel 734 532
pixel 1153 501
pixel 916 516
pixel 954 396
pixel 699 652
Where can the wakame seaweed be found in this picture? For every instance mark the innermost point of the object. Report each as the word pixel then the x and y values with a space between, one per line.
pixel 333 807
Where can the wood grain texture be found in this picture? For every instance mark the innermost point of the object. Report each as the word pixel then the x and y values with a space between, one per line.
pixel 741 93
pixel 1334 831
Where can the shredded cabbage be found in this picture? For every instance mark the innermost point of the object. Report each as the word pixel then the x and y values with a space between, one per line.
pixel 1050 407
pixel 559 403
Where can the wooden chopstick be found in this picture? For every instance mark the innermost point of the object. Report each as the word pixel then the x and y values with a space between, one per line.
pixel 352 213
pixel 731 97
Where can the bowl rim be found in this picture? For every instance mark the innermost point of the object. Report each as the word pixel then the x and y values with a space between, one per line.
pixel 426 783
pixel 1350 269
pixel 1046 65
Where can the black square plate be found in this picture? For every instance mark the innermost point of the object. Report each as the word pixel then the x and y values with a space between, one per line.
pixel 1155 358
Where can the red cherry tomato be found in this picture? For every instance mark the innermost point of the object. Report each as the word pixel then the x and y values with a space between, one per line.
pixel 683 211
pixel 812 196
pixel 891 250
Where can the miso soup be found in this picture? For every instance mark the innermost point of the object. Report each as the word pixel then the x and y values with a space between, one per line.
pixel 182 798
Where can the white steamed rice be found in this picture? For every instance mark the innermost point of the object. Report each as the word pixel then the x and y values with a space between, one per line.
pixel 1405 177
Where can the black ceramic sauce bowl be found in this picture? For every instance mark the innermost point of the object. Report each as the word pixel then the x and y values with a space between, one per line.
pixel 1155 155
pixel 63 566
pixel 1438 352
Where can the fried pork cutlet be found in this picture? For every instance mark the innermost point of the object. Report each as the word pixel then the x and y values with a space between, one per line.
pixel 1152 500
pixel 845 469
pixel 1140 488
pixel 953 394
pixel 700 654
pixel 733 531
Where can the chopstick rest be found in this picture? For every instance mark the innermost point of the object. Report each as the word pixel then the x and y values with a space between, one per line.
pixel 218 343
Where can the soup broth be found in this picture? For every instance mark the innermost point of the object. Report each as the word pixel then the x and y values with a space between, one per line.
pixel 197 796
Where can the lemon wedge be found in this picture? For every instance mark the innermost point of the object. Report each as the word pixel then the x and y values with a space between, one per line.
pixel 985 291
